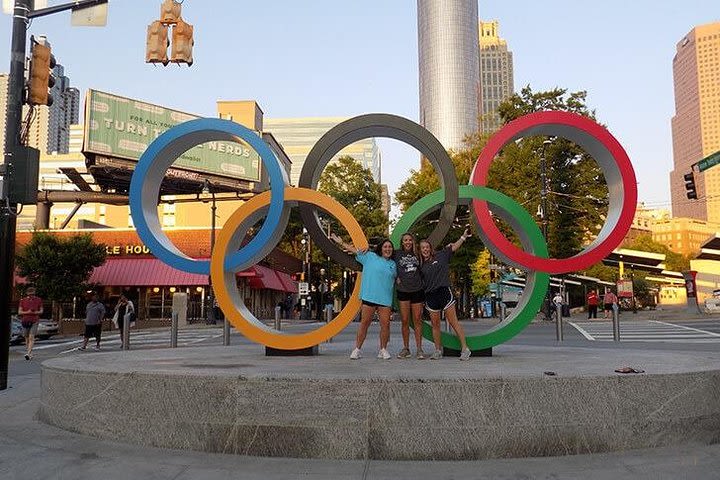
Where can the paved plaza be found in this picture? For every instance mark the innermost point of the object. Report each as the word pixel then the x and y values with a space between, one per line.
pixel 32 449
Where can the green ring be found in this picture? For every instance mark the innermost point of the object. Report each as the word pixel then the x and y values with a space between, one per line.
pixel 532 238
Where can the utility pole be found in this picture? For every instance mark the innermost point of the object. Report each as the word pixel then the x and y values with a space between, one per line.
pixel 543 212
pixel 8 210
pixel 22 13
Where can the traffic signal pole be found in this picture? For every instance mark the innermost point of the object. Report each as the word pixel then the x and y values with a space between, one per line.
pixel 21 14
pixel 8 211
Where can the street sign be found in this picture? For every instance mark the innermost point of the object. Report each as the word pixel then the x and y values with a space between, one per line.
pixel 709 161
pixel 303 288
pixel 625 288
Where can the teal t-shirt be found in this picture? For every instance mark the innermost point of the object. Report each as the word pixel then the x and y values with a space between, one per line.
pixel 378 278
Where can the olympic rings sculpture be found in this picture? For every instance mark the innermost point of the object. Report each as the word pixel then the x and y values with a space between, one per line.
pixel 231 256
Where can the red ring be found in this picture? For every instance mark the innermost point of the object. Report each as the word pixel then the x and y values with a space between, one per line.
pixel 519 128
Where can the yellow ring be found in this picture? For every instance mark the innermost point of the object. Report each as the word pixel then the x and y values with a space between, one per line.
pixel 224 282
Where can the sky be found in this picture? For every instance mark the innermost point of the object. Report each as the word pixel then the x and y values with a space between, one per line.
pixel 345 58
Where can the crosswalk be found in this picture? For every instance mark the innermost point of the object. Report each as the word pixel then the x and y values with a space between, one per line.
pixel 140 339
pixel 646 331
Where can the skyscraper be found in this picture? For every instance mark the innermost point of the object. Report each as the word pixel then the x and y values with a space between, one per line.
pixel 299 135
pixel 496 74
pixel 448 65
pixel 696 124
pixel 50 130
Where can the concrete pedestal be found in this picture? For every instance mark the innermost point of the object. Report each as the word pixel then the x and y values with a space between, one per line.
pixel 236 400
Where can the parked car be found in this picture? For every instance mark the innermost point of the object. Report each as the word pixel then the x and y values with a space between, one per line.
pixel 46 329
pixel 16 332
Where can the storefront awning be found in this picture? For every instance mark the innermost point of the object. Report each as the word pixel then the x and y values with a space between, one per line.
pixel 147 272
pixel 291 285
pixel 270 279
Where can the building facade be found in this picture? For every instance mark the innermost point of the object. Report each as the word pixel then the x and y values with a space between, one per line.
pixel 496 75
pixel 683 235
pixel 448 55
pixel 299 135
pixel 696 124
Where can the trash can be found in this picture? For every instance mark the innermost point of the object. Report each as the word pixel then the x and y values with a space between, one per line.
pixel 565 310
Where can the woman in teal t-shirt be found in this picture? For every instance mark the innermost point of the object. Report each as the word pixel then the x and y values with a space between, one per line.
pixel 376 292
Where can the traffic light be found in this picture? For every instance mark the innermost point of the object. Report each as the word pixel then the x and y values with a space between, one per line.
pixel 157 43
pixel 182 43
pixel 170 12
pixel 41 79
pixel 690 189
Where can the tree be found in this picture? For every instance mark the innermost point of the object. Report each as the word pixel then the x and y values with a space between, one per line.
pixel 59 268
pixel 673 261
pixel 480 274
pixel 577 194
pixel 353 186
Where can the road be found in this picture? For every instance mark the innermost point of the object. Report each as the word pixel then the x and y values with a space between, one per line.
pixel 640 333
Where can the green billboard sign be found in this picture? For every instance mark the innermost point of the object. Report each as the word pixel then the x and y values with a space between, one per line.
pixel 123 128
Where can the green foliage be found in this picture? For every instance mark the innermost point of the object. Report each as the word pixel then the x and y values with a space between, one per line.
pixel 59 268
pixel 641 290
pixel 603 272
pixel 673 261
pixel 353 186
pixel 481 274
pixel 577 194
pixel 527 101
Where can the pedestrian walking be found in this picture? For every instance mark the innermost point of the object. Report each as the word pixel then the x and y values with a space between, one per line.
pixel 376 292
pixel 30 309
pixel 592 303
pixel 410 294
pixel 94 314
pixel 609 303
pixel 124 312
pixel 435 268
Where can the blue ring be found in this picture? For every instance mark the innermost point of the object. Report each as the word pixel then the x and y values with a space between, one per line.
pixel 155 161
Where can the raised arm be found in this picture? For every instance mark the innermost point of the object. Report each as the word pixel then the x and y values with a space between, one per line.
pixel 458 243
pixel 346 246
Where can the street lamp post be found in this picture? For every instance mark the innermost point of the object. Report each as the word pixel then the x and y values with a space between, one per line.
pixel 321 307
pixel 543 211
pixel 304 302
pixel 207 191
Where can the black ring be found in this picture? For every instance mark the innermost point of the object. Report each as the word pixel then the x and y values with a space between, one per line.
pixel 369 126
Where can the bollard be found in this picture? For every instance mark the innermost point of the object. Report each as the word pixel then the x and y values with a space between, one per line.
pixel 328 317
pixel 226 332
pixel 126 335
pixel 559 324
pixel 502 311
pixel 616 323
pixel 278 323
pixel 174 330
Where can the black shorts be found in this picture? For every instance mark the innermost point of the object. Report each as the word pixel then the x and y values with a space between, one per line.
pixel 372 304
pixel 412 297
pixel 607 306
pixel 439 300
pixel 93 331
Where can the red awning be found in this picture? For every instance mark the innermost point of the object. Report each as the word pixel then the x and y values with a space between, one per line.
pixel 291 285
pixel 147 272
pixel 267 278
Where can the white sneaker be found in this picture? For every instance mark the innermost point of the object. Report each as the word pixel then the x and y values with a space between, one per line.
pixel 383 354
pixel 355 354
pixel 465 354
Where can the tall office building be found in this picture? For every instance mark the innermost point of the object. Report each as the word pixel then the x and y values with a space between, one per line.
pixel 50 130
pixel 449 73
pixel 696 124
pixel 299 135
pixel 496 75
